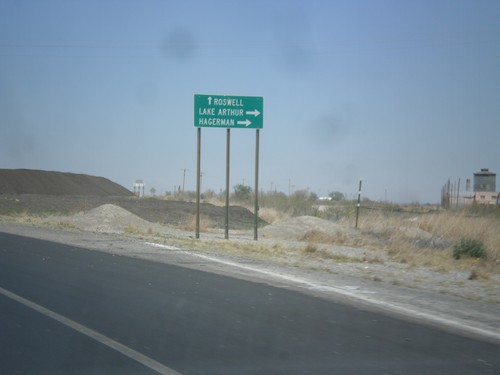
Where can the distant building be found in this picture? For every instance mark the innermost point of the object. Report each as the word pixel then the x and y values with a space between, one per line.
pixel 138 185
pixel 485 187
pixel 484 197
pixel 485 180
pixel 484 191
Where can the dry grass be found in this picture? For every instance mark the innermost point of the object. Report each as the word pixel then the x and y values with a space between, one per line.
pixel 447 227
pixel 250 249
pixel 65 224
pixel 135 230
pixel 479 275
pixel 37 220
pixel 205 224
pixel 22 218
pixel 336 238
pixel 314 249
pixel 454 226
pixel 311 248
pixel 215 201
pixel 271 215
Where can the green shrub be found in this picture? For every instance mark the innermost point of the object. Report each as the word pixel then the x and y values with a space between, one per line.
pixel 468 247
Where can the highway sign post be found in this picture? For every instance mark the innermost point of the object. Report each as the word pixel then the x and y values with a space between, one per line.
pixel 230 112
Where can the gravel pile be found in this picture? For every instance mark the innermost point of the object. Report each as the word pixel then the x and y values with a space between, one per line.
pixel 109 218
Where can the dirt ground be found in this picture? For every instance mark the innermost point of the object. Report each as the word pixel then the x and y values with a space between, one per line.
pixel 168 212
pixel 47 193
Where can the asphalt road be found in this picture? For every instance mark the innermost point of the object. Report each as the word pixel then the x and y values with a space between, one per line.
pixel 66 310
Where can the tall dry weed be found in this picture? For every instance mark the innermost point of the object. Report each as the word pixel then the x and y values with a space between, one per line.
pixel 272 215
pixel 448 227
pixel 337 238
pixel 205 223
pixel 454 226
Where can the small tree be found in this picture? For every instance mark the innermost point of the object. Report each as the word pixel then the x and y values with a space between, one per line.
pixel 242 192
pixel 301 202
pixel 274 199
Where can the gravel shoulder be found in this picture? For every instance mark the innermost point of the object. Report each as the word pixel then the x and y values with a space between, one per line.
pixel 363 277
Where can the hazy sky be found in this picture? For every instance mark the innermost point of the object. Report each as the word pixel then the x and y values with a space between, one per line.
pixel 403 94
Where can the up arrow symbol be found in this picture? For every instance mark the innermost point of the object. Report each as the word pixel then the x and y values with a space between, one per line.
pixel 209 100
pixel 254 112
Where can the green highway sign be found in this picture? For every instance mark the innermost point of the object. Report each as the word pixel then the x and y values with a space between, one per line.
pixel 226 111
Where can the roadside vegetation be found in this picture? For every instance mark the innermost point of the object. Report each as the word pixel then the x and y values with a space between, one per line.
pixel 417 235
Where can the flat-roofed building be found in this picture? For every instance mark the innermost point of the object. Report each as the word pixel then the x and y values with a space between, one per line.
pixel 485 187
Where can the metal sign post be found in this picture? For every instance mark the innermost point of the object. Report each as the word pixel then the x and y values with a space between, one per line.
pixel 224 111
pixel 226 223
pixel 256 207
pixel 198 184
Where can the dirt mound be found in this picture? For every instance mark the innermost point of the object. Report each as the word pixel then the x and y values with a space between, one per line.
pixel 297 228
pixel 176 213
pixel 27 181
pixel 109 218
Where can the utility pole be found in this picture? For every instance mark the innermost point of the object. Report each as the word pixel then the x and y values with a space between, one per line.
pixel 358 205
pixel 184 178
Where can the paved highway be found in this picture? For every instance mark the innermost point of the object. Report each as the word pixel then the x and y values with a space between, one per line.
pixel 67 310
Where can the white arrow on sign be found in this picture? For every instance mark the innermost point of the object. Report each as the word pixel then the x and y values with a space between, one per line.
pixel 209 100
pixel 254 112
pixel 247 122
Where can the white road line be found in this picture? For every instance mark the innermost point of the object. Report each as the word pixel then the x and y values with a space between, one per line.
pixel 125 350
pixel 168 247
pixel 354 292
